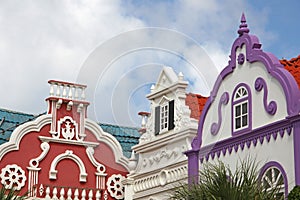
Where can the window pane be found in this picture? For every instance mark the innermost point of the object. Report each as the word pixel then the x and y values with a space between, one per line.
pixel 237 111
pixel 245 120
pixel 237 123
pixel 244 108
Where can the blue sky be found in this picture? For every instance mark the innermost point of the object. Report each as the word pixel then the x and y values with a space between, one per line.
pixel 43 40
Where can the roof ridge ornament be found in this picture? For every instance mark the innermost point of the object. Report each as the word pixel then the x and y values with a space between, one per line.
pixel 243 26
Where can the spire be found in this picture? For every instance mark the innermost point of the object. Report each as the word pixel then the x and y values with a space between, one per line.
pixel 243 27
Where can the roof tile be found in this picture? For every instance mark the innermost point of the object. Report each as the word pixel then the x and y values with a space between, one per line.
pixel 293 66
pixel 196 104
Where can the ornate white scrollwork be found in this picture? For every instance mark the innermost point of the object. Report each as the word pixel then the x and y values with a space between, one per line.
pixel 182 116
pixel 13 177
pixel 115 186
pixel 35 162
pixel 68 155
pixel 149 134
pixel 68 128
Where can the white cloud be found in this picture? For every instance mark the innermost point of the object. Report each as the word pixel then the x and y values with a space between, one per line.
pixel 42 40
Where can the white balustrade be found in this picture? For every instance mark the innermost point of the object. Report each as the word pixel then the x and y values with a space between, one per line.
pixel 59 193
pixel 67 90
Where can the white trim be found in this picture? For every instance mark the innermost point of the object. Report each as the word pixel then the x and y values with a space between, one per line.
pixel 34 163
pixel 163 100
pixel 65 141
pixel 100 168
pixel 68 155
pixel 241 115
pixel 21 131
pixel 108 139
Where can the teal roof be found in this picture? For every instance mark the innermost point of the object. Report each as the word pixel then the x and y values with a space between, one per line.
pixel 127 136
pixel 9 120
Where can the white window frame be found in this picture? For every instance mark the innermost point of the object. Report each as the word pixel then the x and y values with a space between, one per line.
pixel 241 98
pixel 164 117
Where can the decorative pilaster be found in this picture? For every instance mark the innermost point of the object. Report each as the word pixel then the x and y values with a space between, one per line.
pixel 193 166
pixel 33 178
pixel 297 151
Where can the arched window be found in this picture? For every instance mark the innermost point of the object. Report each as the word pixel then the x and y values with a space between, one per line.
pixel 241 109
pixel 272 175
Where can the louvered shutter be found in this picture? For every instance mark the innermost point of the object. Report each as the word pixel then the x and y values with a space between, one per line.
pixel 171 115
pixel 157 120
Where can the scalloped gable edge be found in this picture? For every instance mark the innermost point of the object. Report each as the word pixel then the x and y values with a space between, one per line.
pixel 108 139
pixel 272 65
pixel 40 122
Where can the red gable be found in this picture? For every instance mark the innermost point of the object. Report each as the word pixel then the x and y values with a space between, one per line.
pixel 63 154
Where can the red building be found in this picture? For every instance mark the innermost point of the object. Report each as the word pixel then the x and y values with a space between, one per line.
pixel 62 153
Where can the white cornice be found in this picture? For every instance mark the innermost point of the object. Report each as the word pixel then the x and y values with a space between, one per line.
pixel 164 139
pixel 170 89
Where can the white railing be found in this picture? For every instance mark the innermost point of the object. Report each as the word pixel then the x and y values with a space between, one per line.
pixel 67 193
pixel 67 90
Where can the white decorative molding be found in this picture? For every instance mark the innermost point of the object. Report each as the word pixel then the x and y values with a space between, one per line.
pixel 58 104
pixel 69 131
pixel 21 131
pixel 45 149
pixel 70 105
pixel 100 168
pixel 68 155
pixel 149 134
pixel 71 142
pixel 165 153
pixel 13 177
pixel 182 117
pixel 108 139
pixel 100 174
pixel 162 178
pixel 115 186
pixel 82 110
pixel 33 179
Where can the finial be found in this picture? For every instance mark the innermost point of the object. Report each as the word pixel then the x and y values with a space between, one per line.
pixel 243 27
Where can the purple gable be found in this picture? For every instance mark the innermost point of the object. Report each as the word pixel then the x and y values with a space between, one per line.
pixel 254 53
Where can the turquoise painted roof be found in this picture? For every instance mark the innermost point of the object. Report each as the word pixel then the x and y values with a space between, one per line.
pixel 9 120
pixel 127 136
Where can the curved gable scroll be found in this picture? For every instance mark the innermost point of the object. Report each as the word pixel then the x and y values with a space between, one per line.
pixel 21 131
pixel 108 139
pixel 254 53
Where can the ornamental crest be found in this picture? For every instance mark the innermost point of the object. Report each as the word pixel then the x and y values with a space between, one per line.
pixel 68 128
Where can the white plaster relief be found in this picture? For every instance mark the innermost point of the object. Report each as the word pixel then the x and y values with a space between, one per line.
pixel 100 168
pixel 68 155
pixel 108 139
pixel 45 149
pixel 13 177
pixel 168 155
pixel 149 134
pixel 115 186
pixel 182 116
pixel 161 178
pixel 68 128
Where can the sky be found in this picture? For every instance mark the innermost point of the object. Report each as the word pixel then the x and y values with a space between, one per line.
pixel 118 48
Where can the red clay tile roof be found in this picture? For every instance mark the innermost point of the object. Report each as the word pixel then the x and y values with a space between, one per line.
pixel 293 66
pixel 196 104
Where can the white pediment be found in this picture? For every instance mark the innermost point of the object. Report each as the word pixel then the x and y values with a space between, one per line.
pixel 166 78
